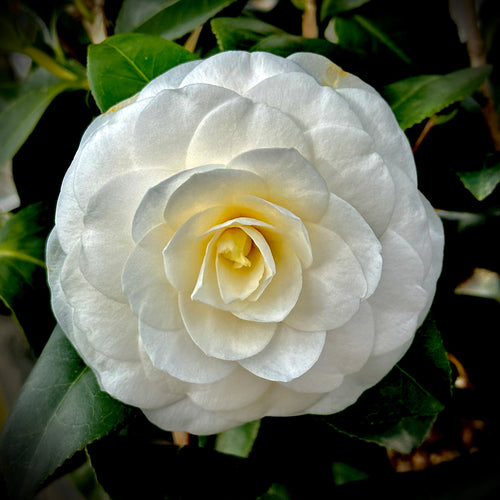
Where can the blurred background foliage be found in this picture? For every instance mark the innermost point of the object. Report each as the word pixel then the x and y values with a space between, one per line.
pixel 44 113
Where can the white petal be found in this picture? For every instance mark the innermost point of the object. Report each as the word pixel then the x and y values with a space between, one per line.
pixel 108 325
pixel 174 352
pixel 150 212
pixel 106 152
pixel 293 182
pixel 355 384
pixel 69 215
pixel 166 126
pixel 241 125
pixel 221 334
pixel 212 188
pixel 380 123
pixel 235 391
pixel 187 416
pixel 171 79
pixel 289 354
pixel 399 298
pixel 151 296
pixel 297 94
pixel 347 223
pixel 107 239
pixel 239 71
pixel 346 350
pixel 326 72
pixel 332 286
pixel 346 159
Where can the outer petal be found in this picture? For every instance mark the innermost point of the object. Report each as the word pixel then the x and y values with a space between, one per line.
pixel 239 71
pixel 107 241
pixel 328 73
pixel 236 391
pixel 298 93
pixel 332 286
pixel 399 298
pixel 160 139
pixel 184 415
pixel 346 159
pixel 106 152
pixel 222 335
pixel 355 384
pixel 175 353
pixel 289 354
pixel 346 350
pixel 151 296
pixel 292 181
pixel 241 125
pixel 108 325
pixel 347 223
pixel 379 121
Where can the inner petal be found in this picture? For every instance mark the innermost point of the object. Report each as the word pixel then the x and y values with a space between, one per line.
pixel 240 281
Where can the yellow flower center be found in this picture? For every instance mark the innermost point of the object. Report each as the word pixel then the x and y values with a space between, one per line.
pixel 234 245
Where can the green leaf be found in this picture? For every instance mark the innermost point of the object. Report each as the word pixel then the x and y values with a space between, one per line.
pixel 170 19
pixel 240 33
pixel 238 441
pixel 122 65
pixel 23 284
pixel 399 411
pixel 420 97
pixel 19 117
pixel 59 411
pixel 334 7
pixel 481 183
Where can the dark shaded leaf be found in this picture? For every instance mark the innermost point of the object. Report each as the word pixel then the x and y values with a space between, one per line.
pixel 59 411
pixel 21 113
pixel 23 284
pixel 481 183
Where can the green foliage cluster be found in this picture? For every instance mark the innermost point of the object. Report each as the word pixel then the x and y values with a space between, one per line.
pixel 57 73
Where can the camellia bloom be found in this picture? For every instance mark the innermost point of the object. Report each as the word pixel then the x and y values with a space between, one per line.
pixel 243 238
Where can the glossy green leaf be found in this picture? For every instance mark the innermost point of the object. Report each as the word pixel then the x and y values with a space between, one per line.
pixel 481 183
pixel 23 286
pixel 399 411
pixel 241 33
pixel 239 440
pixel 334 7
pixel 120 66
pixel 420 97
pixel 170 19
pixel 21 113
pixel 59 411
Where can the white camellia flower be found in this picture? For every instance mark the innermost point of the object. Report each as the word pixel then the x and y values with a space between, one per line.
pixel 243 238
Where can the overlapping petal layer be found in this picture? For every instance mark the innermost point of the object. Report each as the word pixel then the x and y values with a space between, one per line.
pixel 245 239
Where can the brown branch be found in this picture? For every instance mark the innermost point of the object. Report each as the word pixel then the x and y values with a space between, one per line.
pixel 468 21
pixel 309 21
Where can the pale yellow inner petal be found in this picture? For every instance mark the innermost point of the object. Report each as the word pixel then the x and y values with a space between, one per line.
pixel 234 245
